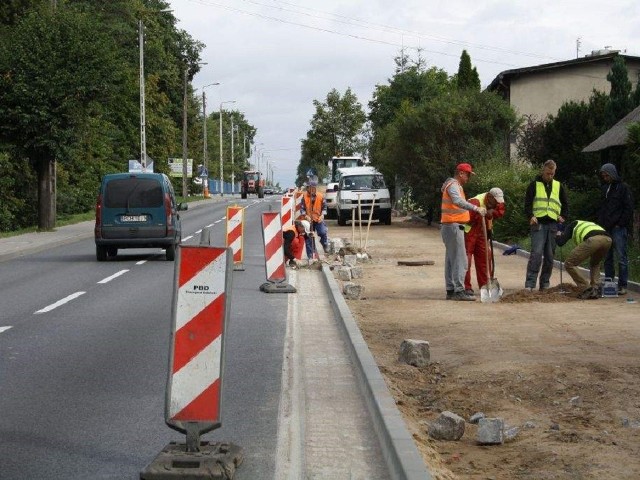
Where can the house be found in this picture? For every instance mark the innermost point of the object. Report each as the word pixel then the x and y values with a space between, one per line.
pixel 541 90
pixel 616 136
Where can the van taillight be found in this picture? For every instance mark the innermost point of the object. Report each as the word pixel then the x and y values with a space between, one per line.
pixel 98 216
pixel 168 213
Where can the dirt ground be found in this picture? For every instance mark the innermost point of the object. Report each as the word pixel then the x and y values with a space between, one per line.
pixel 564 371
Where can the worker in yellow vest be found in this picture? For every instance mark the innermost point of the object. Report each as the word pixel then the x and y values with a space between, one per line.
pixel 454 215
pixel 546 206
pixel 592 242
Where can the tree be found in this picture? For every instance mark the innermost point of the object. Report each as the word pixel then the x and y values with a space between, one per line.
pixel 425 142
pixel 621 101
pixel 337 128
pixel 58 70
pixel 467 77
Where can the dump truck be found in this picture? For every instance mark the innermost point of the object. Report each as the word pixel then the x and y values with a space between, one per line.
pixel 252 183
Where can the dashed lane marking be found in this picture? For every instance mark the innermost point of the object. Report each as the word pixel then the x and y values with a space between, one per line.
pixel 115 275
pixel 60 302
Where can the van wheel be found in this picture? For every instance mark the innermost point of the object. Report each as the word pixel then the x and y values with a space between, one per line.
pixel 170 253
pixel 342 219
pixel 112 251
pixel 101 253
pixel 386 218
pixel 243 195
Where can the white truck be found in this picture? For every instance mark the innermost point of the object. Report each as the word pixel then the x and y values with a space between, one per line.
pixel 363 188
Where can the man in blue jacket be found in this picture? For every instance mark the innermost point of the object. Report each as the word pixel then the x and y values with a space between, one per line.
pixel 615 216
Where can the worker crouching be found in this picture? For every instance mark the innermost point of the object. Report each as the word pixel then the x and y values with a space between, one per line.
pixel 592 242
pixel 294 238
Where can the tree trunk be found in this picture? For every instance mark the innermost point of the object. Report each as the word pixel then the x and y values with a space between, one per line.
pixel 46 194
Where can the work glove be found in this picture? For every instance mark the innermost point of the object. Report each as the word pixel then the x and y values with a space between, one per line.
pixel 482 211
pixel 512 250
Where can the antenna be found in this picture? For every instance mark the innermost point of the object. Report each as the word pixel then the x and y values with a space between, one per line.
pixel 578 43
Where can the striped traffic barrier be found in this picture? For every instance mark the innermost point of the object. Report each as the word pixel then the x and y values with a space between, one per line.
pixel 200 312
pixel 235 235
pixel 274 255
pixel 286 212
pixel 298 203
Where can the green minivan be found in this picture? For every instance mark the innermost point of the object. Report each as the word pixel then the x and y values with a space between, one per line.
pixel 137 210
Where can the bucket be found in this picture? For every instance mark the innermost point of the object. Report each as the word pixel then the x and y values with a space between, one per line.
pixel 609 288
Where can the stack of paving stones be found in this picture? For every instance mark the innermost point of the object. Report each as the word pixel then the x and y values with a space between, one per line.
pixel 348 269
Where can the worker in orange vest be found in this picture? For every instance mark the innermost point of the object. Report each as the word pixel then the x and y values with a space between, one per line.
pixel 313 208
pixel 454 216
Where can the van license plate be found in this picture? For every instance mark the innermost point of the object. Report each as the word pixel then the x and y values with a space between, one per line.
pixel 133 218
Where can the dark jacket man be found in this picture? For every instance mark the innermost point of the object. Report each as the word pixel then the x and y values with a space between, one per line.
pixel 616 209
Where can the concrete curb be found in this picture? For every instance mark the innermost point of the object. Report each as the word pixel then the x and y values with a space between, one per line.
pixel 401 454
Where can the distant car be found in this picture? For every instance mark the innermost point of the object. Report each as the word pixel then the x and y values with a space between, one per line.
pixel 137 210
pixel 331 196
pixel 268 190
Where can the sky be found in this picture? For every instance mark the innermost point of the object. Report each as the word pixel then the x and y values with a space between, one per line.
pixel 275 57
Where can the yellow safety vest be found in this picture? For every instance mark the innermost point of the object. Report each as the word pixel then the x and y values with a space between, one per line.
pixel 544 206
pixel 481 197
pixel 582 228
pixel 450 212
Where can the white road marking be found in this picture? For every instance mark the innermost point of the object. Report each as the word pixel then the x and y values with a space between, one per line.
pixel 210 225
pixel 4 329
pixel 60 302
pixel 198 232
pixel 141 262
pixel 115 275
pixel 187 238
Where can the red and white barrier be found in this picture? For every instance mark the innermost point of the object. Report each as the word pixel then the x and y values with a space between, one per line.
pixel 273 252
pixel 297 201
pixel 235 237
pixel 286 211
pixel 200 311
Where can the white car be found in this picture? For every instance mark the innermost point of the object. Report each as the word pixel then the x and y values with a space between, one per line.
pixel 331 197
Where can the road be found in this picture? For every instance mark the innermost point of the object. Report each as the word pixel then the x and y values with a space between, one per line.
pixel 83 365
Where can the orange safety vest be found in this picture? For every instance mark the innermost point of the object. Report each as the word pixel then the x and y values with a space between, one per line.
pixel 450 212
pixel 315 210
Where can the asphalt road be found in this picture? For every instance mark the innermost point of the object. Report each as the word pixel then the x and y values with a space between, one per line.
pixel 82 375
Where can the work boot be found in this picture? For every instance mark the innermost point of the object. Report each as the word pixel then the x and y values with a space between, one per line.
pixel 463 297
pixel 469 291
pixel 449 294
pixel 325 248
pixel 622 290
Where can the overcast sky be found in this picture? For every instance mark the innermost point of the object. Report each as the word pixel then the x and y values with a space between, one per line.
pixel 274 57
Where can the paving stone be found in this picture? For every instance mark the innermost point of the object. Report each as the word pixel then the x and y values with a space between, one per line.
pixel 415 352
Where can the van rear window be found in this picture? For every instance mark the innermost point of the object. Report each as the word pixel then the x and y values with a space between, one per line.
pixel 133 193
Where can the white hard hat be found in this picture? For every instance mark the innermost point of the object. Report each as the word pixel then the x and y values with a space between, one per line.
pixel 306 225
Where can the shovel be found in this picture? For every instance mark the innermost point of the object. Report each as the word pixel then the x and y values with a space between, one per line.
pixel 491 292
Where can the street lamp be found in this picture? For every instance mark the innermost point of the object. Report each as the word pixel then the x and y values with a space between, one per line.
pixel 205 157
pixel 143 122
pixel 221 164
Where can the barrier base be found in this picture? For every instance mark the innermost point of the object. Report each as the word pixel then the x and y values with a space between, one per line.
pixel 283 287
pixel 217 461
pixel 238 267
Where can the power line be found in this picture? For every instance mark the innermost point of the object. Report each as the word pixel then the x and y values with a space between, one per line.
pixel 344 34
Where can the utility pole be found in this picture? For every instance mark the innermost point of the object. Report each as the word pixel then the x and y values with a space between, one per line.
pixel 205 158
pixel 143 132
pixel 233 175
pixel 184 135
